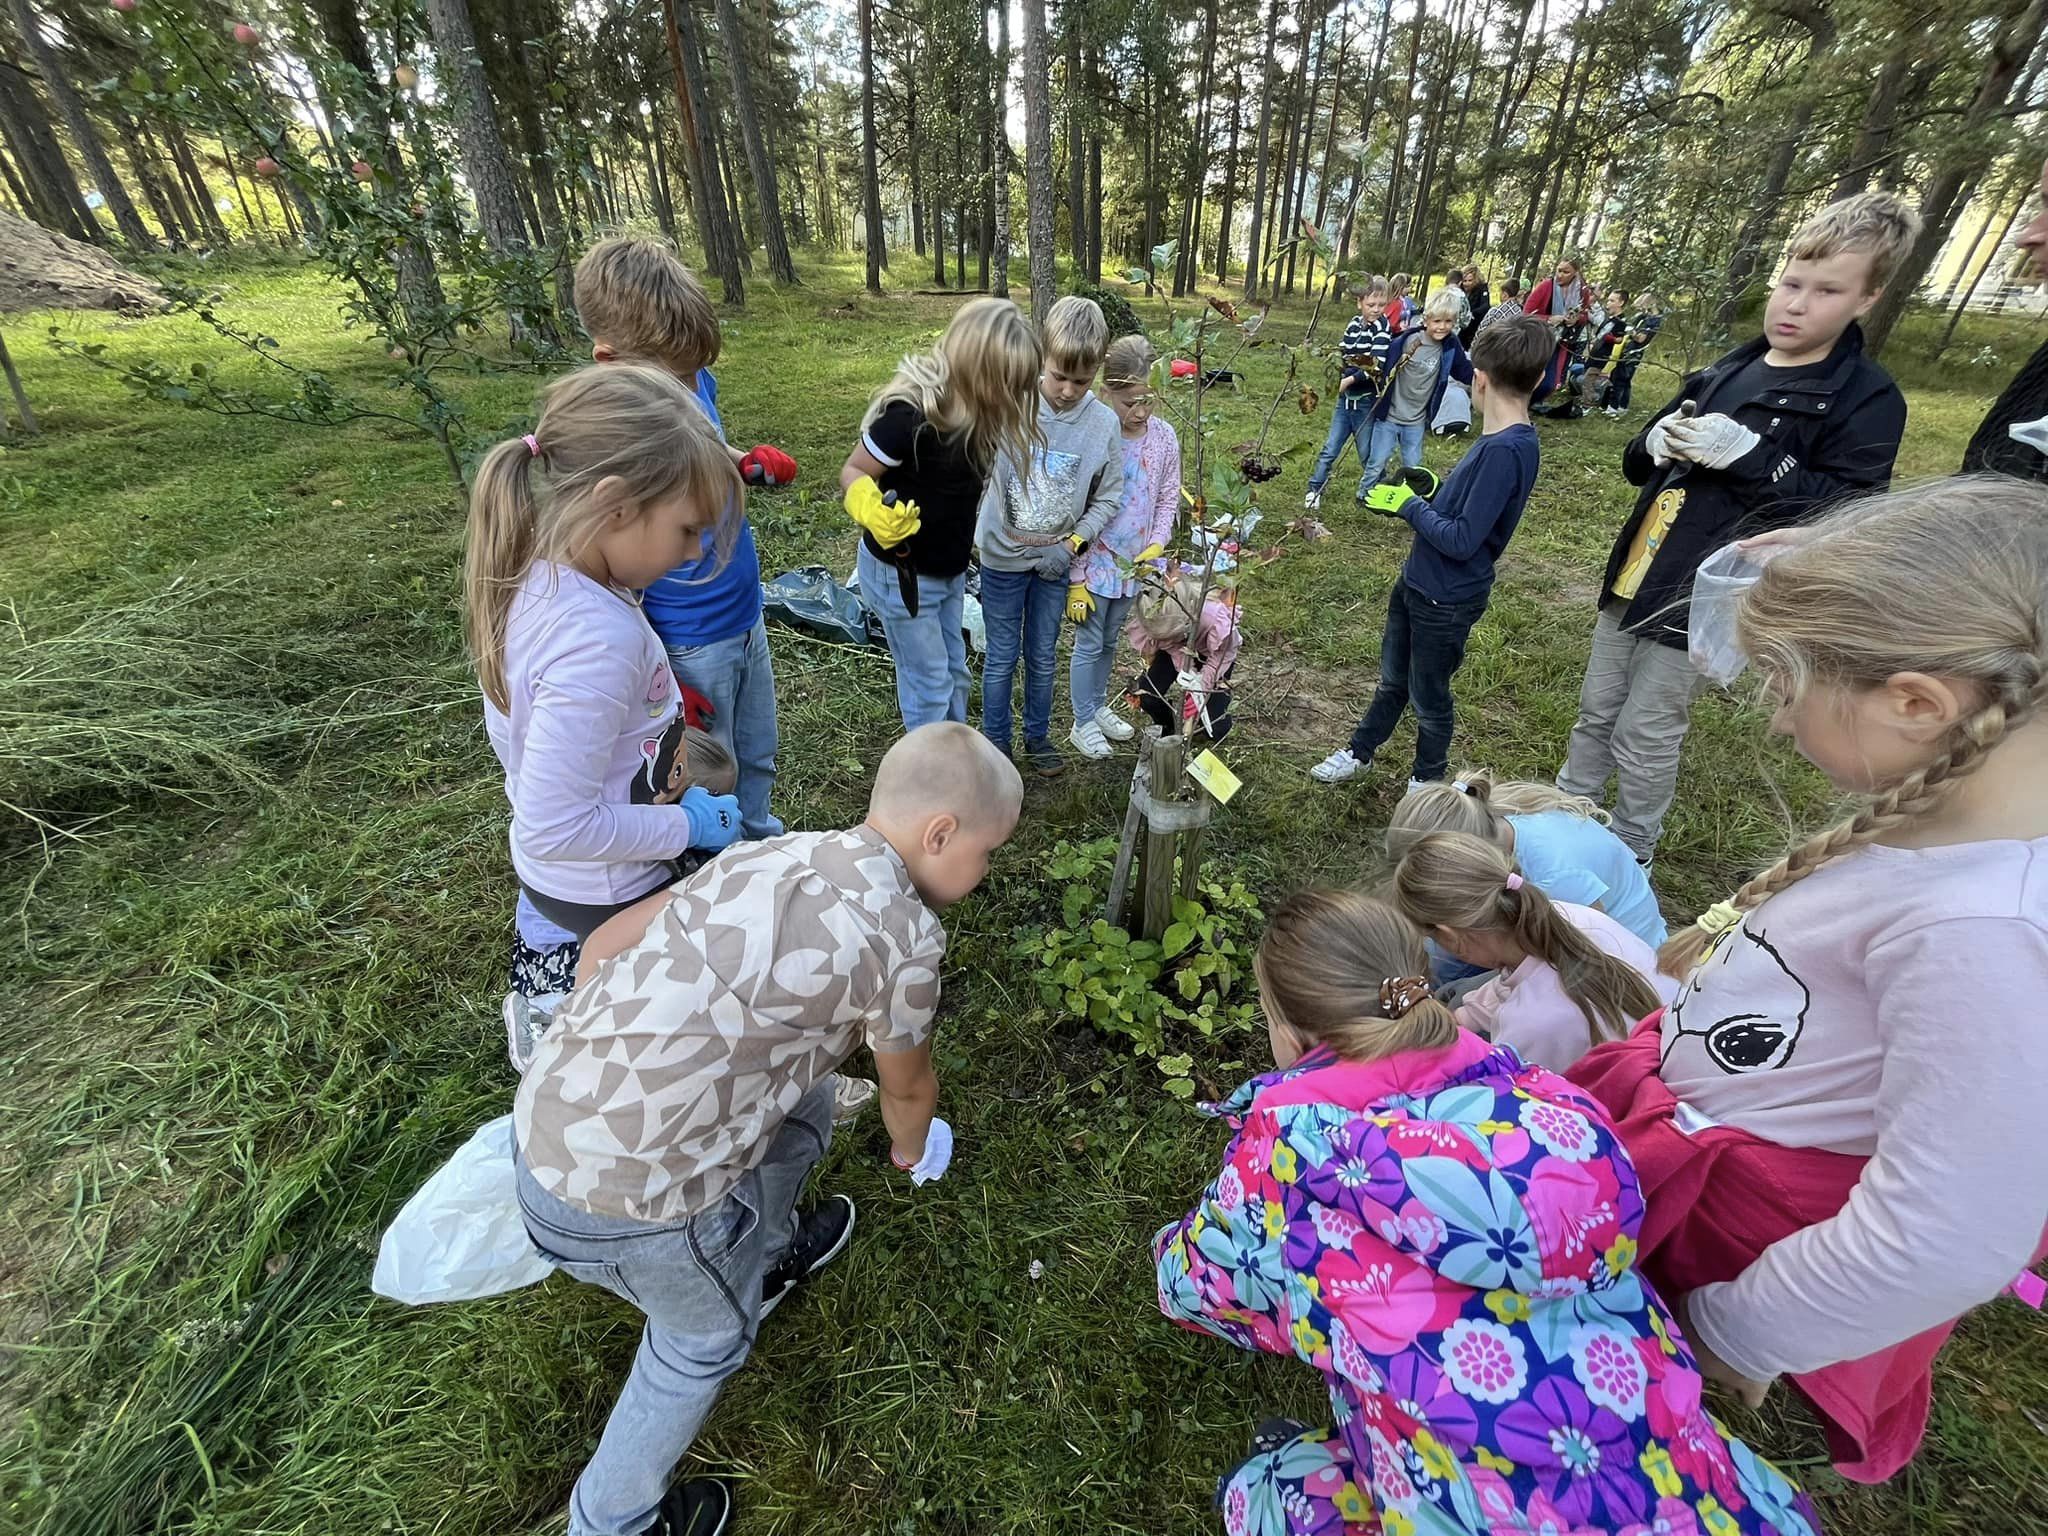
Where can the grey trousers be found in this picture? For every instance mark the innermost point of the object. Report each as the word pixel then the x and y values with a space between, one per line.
pixel 1634 708
pixel 698 1280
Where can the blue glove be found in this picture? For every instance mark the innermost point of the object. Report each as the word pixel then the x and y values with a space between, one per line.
pixel 1388 500
pixel 714 819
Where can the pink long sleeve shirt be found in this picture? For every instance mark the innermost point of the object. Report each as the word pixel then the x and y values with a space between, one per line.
pixel 1151 501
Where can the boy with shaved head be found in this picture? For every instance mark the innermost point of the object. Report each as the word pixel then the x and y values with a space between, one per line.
pixel 669 1118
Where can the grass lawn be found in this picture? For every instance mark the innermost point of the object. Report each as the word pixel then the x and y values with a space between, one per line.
pixel 251 985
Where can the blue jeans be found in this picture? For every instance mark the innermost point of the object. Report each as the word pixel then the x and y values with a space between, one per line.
pixel 1386 437
pixel 1023 612
pixel 1423 645
pixel 698 1281
pixel 930 647
pixel 738 677
pixel 1349 423
pixel 1095 641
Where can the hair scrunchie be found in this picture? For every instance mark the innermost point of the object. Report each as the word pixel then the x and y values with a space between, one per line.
pixel 1719 918
pixel 532 445
pixel 1401 995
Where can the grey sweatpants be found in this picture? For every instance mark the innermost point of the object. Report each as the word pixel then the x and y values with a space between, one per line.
pixel 1634 708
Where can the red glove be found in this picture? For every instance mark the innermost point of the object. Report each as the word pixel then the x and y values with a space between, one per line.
pixel 767 466
pixel 1182 368
pixel 698 712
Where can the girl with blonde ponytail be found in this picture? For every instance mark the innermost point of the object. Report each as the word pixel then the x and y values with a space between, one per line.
pixel 1447 1235
pixel 1566 976
pixel 1858 1035
pixel 621 481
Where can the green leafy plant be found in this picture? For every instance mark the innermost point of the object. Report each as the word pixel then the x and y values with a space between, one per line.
pixel 1192 980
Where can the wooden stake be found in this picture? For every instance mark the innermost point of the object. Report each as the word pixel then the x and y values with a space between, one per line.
pixel 28 417
pixel 1169 762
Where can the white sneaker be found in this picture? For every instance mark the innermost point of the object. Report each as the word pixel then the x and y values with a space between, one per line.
pixel 1089 740
pixel 1312 502
pixel 1110 726
pixel 1337 767
pixel 1415 784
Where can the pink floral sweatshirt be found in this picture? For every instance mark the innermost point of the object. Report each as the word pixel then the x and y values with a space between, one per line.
pixel 1211 650
pixel 1151 500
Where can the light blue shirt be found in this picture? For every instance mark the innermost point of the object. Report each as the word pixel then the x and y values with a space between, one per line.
pixel 1574 858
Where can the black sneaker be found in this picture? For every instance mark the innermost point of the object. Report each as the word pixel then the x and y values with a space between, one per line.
pixel 696 1506
pixel 822 1233
pixel 1045 759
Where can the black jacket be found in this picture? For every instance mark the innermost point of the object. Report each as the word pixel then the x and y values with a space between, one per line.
pixel 1831 432
pixel 2025 399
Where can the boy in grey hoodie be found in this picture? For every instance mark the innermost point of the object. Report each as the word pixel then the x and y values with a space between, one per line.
pixel 1031 524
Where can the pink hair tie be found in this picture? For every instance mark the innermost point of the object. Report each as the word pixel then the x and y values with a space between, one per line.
pixel 532 445
pixel 1514 882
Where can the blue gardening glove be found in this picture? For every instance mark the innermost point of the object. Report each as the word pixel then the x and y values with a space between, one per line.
pixel 1388 500
pixel 714 819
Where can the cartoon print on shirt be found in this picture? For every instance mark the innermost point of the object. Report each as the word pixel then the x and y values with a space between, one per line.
pixel 1042 507
pixel 1763 1036
pixel 664 767
pixel 659 681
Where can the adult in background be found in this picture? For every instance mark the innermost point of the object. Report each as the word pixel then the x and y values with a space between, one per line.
pixel 1998 444
pixel 1562 300
pixel 1478 301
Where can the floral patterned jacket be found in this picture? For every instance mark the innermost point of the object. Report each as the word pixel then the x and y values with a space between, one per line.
pixel 1448 1236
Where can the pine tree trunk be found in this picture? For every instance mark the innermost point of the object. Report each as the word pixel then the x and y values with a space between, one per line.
pixel 85 134
pixel 2011 218
pixel 1000 276
pixel 24 204
pixel 194 181
pixel 167 219
pixel 1229 182
pixel 1323 182
pixel 1971 151
pixel 172 185
pixel 1291 224
pixel 1095 208
pixel 1390 215
pixel 1038 180
pixel 1276 206
pixel 61 206
pixel 1252 273
pixel 1188 264
pixel 1371 101
pixel 721 242
pixel 1071 17
pixel 1500 116
pixel 871 181
pixel 1879 115
pixel 742 235
pixel 914 146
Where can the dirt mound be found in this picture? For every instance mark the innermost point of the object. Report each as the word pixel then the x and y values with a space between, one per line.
pixel 41 269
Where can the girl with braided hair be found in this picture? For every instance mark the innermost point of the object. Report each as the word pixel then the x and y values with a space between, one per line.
pixel 1447 1235
pixel 1835 1122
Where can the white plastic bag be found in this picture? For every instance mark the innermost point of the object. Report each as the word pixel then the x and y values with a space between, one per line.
pixel 1717 590
pixel 461 1235
pixel 1454 415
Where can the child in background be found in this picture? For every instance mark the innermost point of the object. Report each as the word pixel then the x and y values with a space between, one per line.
pixel 1400 308
pixel 1448 1237
pixel 1420 364
pixel 1860 1034
pixel 1459 534
pixel 1777 429
pixel 618 484
pixel 1103 584
pixel 1190 640
pixel 640 304
pixel 1643 327
pixel 1559 841
pixel 1038 513
pixel 1361 355
pixel 1565 977
pixel 1509 307
pixel 669 1120
pixel 1588 376
pixel 914 483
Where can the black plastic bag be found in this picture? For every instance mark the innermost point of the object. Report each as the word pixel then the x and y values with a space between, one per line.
pixel 808 599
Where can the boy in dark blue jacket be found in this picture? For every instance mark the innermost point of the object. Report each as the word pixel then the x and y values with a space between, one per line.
pixel 1460 531
pixel 1420 364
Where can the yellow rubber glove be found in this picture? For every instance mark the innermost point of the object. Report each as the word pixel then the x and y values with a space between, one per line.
pixel 1149 552
pixel 888 525
pixel 1080 603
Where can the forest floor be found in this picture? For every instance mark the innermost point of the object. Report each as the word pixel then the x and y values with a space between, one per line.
pixel 252 986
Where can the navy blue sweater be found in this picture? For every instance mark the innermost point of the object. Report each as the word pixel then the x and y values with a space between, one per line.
pixel 1460 533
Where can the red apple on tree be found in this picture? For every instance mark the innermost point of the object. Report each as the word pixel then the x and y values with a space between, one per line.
pixel 406 76
pixel 124 6
pixel 265 166
pixel 246 35
pixel 361 170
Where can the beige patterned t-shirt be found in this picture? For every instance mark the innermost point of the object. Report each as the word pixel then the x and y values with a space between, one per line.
pixel 665 1078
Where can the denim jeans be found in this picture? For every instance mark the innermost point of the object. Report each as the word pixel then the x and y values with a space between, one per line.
pixel 1634 708
pixel 1620 385
pixel 930 647
pixel 738 677
pixel 1386 437
pixel 1424 644
pixel 698 1282
pixel 1095 644
pixel 1350 422
pixel 1023 612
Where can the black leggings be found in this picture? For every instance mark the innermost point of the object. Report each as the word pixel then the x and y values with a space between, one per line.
pixel 1155 696
pixel 585 918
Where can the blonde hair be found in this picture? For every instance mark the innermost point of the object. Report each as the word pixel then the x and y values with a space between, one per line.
pixel 1171 613
pixel 634 295
pixel 1127 363
pixel 709 762
pixel 1450 880
pixel 1397 285
pixel 1880 225
pixel 1442 305
pixel 1349 972
pixel 979 383
pixel 1075 334
pixel 1949 578
pixel 946 766
pixel 1472 803
pixel 635 423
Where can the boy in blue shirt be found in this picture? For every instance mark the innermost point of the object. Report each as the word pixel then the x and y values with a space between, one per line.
pixel 640 303
pixel 1460 530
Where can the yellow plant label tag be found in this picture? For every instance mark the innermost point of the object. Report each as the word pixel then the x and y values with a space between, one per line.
pixel 1208 771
